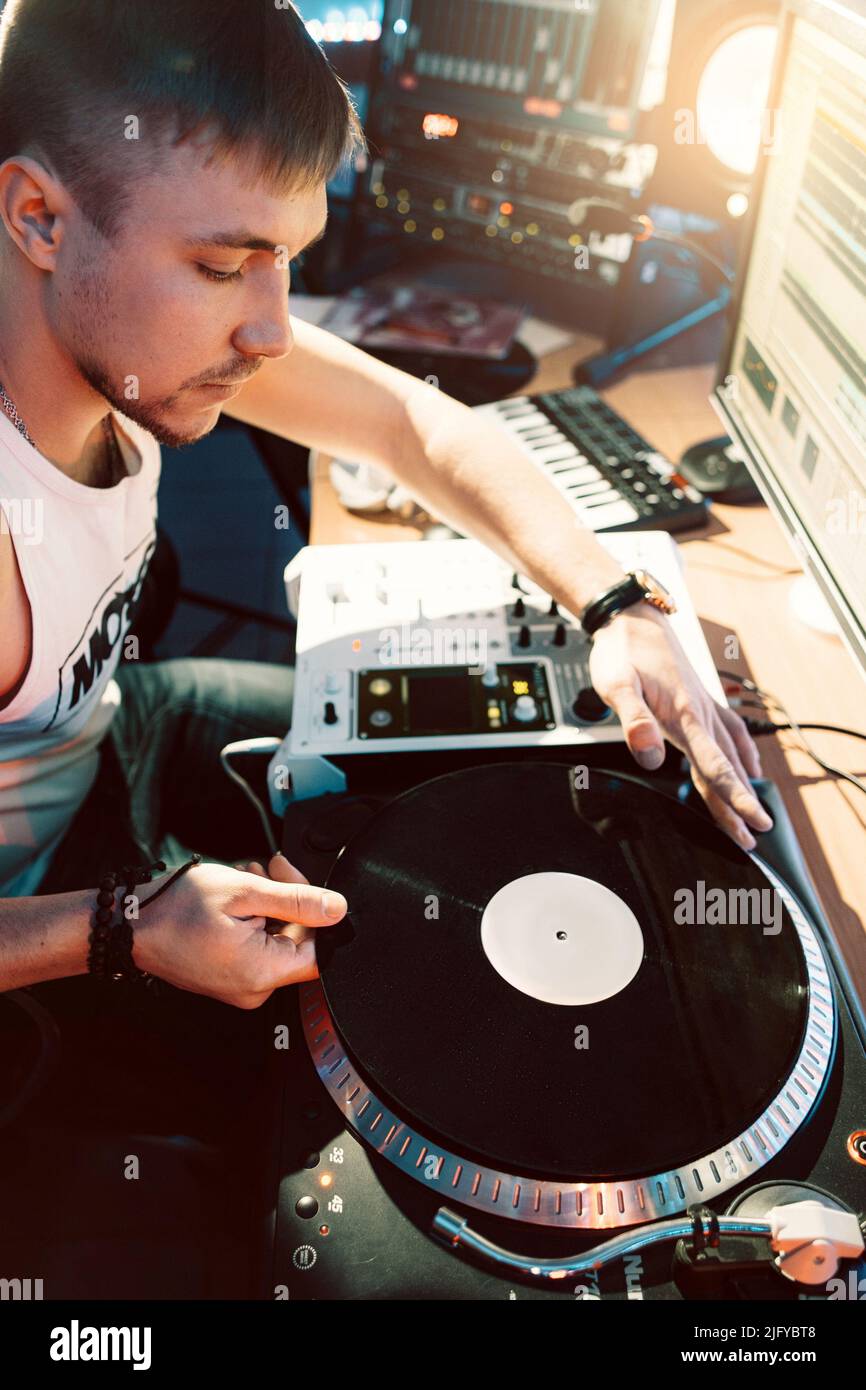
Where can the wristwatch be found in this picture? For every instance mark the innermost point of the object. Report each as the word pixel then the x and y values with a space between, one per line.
pixel 639 586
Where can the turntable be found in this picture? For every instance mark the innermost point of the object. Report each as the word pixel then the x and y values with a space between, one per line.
pixel 569 1041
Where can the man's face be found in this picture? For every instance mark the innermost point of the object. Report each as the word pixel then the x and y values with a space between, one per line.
pixel 145 318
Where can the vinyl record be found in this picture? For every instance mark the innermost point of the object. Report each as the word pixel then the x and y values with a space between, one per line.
pixel 532 971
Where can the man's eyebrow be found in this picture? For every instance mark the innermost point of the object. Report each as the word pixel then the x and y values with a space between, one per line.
pixel 242 240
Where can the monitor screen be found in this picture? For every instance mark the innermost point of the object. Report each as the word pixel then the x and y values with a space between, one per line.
pixel 792 389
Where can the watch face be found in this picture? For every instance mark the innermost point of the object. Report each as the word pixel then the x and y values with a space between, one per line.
pixel 655 592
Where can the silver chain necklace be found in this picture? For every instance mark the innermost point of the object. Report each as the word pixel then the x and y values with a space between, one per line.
pixel 111 439
pixel 12 411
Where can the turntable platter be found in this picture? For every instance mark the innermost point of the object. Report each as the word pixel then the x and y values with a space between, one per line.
pixel 532 975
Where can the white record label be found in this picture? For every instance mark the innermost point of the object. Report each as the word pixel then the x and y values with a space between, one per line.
pixel 562 938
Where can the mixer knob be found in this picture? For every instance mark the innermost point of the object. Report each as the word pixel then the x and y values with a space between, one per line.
pixel 553 611
pixel 525 709
pixel 490 677
pixel 560 637
pixel 589 706
pixel 524 637
pixel 519 608
pixel 331 716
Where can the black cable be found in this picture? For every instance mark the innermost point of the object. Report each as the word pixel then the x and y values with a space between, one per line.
pixel 745 684
pixel 759 727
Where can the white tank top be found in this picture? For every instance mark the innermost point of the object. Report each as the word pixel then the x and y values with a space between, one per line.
pixel 83 553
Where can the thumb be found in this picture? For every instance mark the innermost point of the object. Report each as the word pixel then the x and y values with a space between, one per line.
pixel 641 729
pixel 290 902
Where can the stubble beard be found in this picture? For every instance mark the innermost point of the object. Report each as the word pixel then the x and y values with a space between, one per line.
pixel 151 416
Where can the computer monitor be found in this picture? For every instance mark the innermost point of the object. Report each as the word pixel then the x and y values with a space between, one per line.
pixel 792 385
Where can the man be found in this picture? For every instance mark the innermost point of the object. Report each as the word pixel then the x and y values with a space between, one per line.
pixel 161 166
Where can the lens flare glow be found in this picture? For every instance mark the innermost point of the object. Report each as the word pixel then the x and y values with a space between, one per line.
pixel 732 98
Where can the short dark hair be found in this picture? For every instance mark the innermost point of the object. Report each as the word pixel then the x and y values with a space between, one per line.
pixel 72 71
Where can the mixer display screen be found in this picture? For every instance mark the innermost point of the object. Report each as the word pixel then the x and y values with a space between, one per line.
pixel 439 704
pixel 453 700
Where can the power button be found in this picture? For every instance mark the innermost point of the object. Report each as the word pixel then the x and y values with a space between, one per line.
pixel 857 1146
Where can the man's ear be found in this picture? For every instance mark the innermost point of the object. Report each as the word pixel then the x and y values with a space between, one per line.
pixel 35 208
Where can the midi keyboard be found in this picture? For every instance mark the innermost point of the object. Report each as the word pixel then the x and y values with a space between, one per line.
pixel 614 479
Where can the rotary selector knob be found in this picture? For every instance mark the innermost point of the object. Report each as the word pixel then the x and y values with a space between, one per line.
pixel 589 706
pixel 525 709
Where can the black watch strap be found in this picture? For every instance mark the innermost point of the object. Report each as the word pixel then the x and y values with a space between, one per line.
pixel 625 594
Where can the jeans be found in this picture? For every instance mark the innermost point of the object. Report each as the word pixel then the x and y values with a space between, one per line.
pixel 178 1079
pixel 161 791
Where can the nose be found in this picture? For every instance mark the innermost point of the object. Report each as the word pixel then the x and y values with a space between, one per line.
pixel 267 330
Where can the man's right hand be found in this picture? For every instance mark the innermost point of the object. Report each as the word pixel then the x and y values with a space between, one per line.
pixel 207 933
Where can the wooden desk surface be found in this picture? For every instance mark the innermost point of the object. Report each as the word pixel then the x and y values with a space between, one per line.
pixel 737 574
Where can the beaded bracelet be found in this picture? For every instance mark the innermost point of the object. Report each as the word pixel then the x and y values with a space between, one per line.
pixel 101 930
pixel 110 954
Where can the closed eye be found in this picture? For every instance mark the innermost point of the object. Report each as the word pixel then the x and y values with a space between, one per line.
pixel 221 276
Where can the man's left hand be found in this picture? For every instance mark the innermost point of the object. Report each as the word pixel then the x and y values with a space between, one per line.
pixel 639 668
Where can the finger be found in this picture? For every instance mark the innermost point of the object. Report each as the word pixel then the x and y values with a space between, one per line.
pixel 746 746
pixel 717 772
pixel 251 867
pixel 726 818
pixel 280 869
pixel 761 821
pixel 642 733
pixel 729 748
pixel 293 931
pixel 283 871
pixel 299 964
pixel 289 902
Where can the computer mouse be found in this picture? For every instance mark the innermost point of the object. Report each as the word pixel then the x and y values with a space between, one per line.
pixel 717 470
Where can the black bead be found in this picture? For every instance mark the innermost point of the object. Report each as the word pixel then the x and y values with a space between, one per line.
pixel 105 898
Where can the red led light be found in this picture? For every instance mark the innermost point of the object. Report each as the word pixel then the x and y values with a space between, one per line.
pixel 538 106
pixel 437 126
